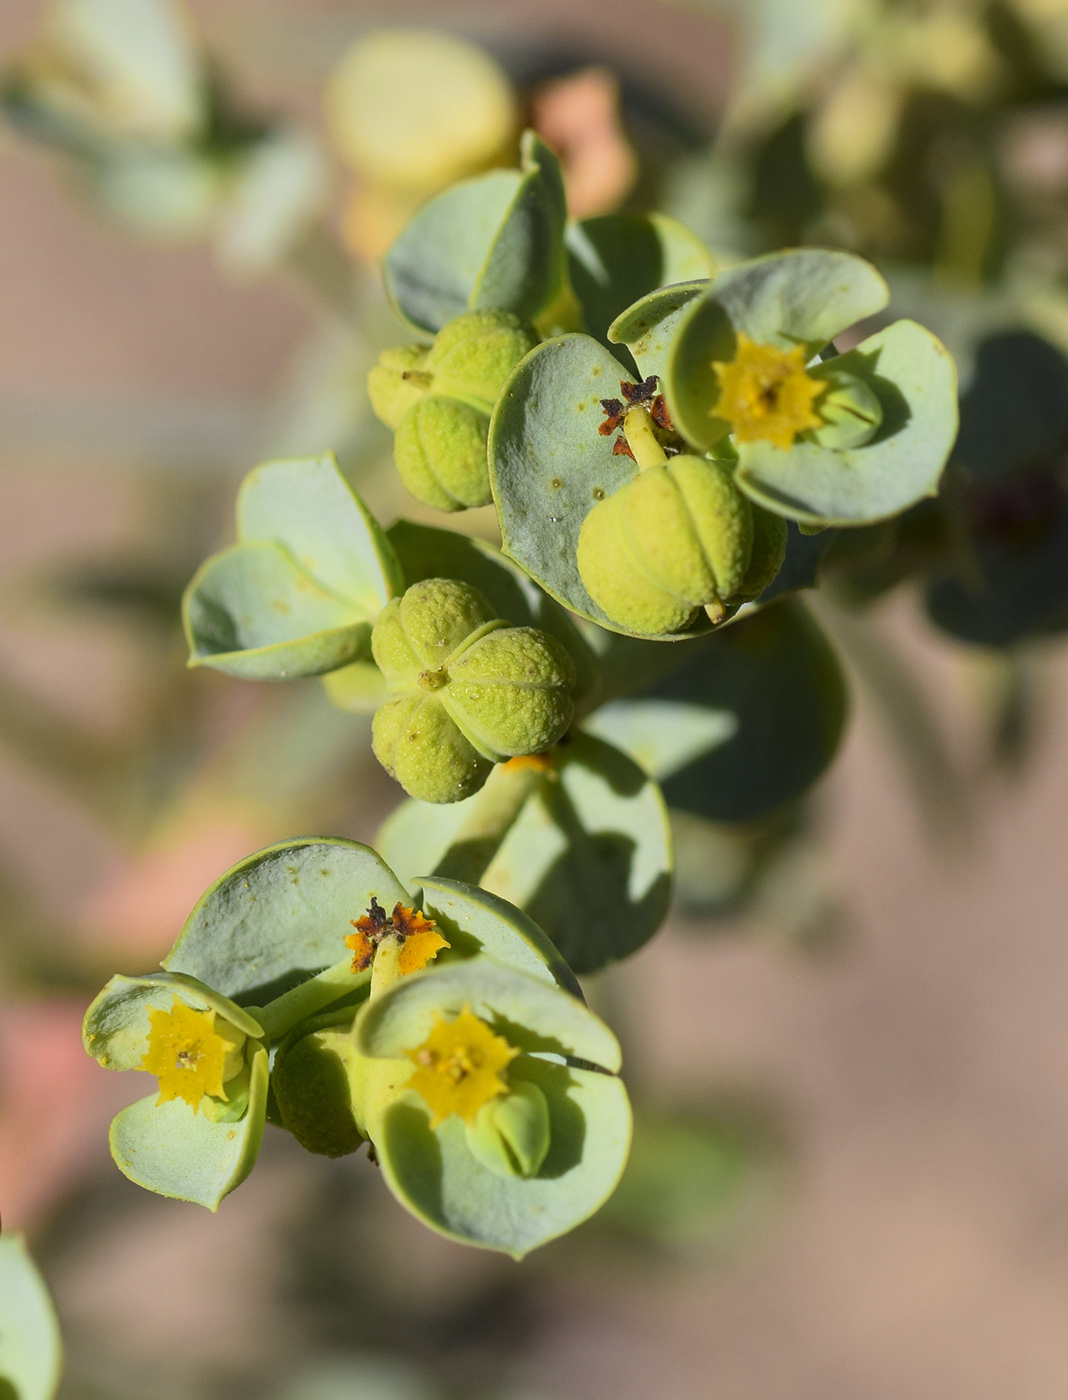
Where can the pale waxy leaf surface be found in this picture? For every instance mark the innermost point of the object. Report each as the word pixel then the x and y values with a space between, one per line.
pixel 31 1349
pixel 281 916
pixel 477 922
pixel 748 723
pixel 434 1174
pixel 298 593
pixel 175 1152
pixel 495 241
pixel 616 259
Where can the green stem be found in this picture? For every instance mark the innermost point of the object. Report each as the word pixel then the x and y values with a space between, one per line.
pixel 494 815
pixel 296 1005
pixel 642 441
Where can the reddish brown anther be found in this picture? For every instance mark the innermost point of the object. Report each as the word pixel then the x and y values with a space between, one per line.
pixel 621 448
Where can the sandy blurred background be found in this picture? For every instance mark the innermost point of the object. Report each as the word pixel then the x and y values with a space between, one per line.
pixel 911 1240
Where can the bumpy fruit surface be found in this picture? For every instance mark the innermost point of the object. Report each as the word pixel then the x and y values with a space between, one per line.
pixel 467 690
pixel 676 538
pixel 769 551
pixel 439 398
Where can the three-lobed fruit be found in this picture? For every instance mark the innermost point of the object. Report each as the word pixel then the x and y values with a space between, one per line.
pixel 438 399
pixel 466 690
pixel 676 538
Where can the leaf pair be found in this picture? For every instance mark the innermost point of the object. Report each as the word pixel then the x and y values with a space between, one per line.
pixel 299 592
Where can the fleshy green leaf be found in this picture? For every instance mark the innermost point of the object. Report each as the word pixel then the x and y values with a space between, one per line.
pixel 475 921
pixel 915 381
pixel 587 855
pixel 31 1349
pixel 307 505
pixel 252 612
pixel 492 242
pixel 768 699
pixel 175 1152
pixel 281 915
pixel 648 327
pixel 117 1024
pixel 549 465
pixel 434 1174
pixel 534 1015
pixel 296 596
pixel 805 296
pixel 616 259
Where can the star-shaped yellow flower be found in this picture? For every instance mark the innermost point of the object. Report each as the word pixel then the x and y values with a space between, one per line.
pixel 459 1067
pixel 765 393
pixel 187 1054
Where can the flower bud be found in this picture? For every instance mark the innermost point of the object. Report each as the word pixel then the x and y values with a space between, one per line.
pixel 467 690
pixel 510 1135
pixel 439 399
pixel 850 410
pixel 676 538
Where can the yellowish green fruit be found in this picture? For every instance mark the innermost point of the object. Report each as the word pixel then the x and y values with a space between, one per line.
pixel 850 411
pixel 439 398
pixel 769 551
pixel 676 538
pixel 510 1135
pixel 467 690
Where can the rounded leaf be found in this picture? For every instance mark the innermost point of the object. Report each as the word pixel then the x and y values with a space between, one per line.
pixel 305 504
pixel 252 612
pixel 534 1015
pixel 747 724
pixel 281 915
pixel 616 259
pixel 31 1348
pixel 587 856
pixel 175 1152
pixel 492 242
pixel 476 922
pixel 434 1174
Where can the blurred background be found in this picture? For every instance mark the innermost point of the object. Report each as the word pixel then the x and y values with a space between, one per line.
pixel 849 1049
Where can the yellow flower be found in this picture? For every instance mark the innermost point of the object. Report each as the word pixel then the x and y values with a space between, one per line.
pixel 765 393
pixel 459 1067
pixel 189 1055
pixel 416 937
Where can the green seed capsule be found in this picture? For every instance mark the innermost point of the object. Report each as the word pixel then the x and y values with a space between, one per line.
pixel 311 1087
pixel 439 398
pixel 676 538
pixel 467 690
pixel 769 551
pixel 850 410
pixel 510 1135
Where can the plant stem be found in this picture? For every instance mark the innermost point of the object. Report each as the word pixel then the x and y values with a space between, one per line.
pixel 494 815
pixel 296 1005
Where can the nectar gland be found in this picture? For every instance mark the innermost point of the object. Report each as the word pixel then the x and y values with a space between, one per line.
pixel 766 395
pixel 459 1067
pixel 189 1056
